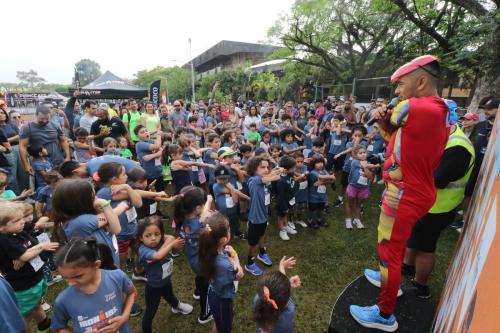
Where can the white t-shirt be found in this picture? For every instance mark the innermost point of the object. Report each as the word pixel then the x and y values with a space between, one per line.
pixel 248 120
pixel 87 121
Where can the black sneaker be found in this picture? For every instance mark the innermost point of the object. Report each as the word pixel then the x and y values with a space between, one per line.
pixel 338 203
pixel 408 270
pixel 457 224
pixel 313 225
pixel 129 264
pixel 322 223
pixel 205 319
pixel 136 310
pixel 423 292
pixel 241 235
pixel 139 276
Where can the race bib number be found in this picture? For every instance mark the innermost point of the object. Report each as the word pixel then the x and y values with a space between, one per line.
pixel 153 208
pixel 369 148
pixel 362 180
pixel 43 238
pixel 322 189
pixel 36 263
pixel 267 199
pixel 337 142
pixel 131 215
pixel 167 269
pixel 292 201
pixel 157 161
pixel 229 201
pixel 239 186
pixel 303 185
pixel 115 242
pixel 194 168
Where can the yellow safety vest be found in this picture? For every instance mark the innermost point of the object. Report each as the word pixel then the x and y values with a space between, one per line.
pixel 452 195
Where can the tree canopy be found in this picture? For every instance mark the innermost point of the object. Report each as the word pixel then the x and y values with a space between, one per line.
pixel 176 80
pixel 29 79
pixel 88 70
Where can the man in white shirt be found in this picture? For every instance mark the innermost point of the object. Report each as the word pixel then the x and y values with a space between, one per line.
pixel 88 117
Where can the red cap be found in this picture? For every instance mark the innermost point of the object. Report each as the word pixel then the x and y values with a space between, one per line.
pixel 470 116
pixel 411 66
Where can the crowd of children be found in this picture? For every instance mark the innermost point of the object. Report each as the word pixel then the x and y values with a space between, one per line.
pixel 111 223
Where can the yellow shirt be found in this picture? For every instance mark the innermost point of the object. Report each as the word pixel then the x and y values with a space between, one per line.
pixel 112 112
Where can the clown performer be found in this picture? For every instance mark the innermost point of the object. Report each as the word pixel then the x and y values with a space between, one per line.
pixel 416 132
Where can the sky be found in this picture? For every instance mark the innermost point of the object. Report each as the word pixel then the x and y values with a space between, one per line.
pixel 123 36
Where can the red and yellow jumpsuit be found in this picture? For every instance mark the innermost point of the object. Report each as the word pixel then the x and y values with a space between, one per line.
pixel 413 153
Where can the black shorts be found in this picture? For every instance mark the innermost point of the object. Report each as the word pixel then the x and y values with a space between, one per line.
pixel 255 232
pixel 344 179
pixel 426 231
pixel 282 208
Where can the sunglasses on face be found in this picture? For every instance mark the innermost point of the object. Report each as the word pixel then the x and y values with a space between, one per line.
pixel 16 117
pixel 176 106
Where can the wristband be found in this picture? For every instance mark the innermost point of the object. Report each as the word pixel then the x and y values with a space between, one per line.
pixel 106 204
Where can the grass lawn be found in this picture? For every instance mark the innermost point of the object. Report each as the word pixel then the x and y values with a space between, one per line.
pixel 327 260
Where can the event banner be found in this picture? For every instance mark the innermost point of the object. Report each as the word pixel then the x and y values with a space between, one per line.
pixel 154 93
pixel 470 301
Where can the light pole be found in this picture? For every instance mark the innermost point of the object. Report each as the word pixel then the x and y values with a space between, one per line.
pixel 192 70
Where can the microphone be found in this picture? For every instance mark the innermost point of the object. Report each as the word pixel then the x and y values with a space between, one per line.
pixel 392 104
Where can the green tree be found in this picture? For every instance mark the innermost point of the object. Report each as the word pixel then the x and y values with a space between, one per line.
pixel 29 79
pixel 233 84
pixel 88 70
pixel 266 86
pixel 176 80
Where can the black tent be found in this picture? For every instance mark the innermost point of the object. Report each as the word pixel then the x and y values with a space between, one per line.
pixel 110 86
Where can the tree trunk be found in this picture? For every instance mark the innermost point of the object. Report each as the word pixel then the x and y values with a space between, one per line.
pixel 485 87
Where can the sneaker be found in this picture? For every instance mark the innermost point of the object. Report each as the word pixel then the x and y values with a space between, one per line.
pixel 323 223
pixel 55 279
pixel 290 230
pixel 302 224
pixel 139 276
pixel 459 230
pixel 461 212
pixel 358 224
pixel 205 319
pixel 183 308
pixel 45 306
pixel 313 225
pixel 174 253
pixel 374 278
pixel 240 235
pixel 136 310
pixel 264 258
pixel 253 269
pixel 129 264
pixel 381 182
pixel 348 224
pixel 423 292
pixel 291 225
pixel 338 203
pixel 457 224
pixel 196 296
pixel 284 235
pixel 369 316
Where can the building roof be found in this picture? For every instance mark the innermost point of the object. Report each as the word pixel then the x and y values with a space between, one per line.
pixel 270 66
pixel 225 48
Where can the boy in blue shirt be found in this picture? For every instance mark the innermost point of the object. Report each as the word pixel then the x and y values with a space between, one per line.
pixel 226 200
pixel 286 188
pixel 338 141
pixel 288 144
pixel 260 176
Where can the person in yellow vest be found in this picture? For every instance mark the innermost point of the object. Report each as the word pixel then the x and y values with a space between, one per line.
pixel 450 179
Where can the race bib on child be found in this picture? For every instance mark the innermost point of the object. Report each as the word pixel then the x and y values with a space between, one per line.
pixel 167 269
pixel 194 168
pixel 369 148
pixel 292 201
pixel 36 263
pixel 337 142
pixel 229 201
pixel 131 215
pixel 362 180
pixel 157 161
pixel 239 186
pixel 322 189
pixel 115 242
pixel 43 238
pixel 303 185
pixel 267 199
pixel 153 208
